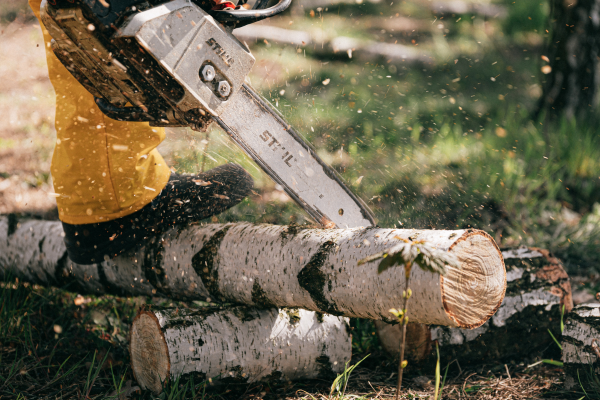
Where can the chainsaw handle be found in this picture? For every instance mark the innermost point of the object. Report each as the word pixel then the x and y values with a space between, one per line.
pixel 260 4
pixel 239 18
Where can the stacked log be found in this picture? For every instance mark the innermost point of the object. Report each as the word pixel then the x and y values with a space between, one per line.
pixel 581 349
pixel 274 266
pixel 538 288
pixel 237 345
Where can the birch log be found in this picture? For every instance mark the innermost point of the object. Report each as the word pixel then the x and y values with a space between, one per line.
pixel 537 289
pixel 275 266
pixel 341 45
pixel 240 344
pixel 581 348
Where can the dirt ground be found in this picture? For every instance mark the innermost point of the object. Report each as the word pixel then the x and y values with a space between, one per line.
pixel 27 134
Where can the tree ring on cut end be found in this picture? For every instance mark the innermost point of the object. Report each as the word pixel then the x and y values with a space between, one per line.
pixel 473 293
pixel 149 353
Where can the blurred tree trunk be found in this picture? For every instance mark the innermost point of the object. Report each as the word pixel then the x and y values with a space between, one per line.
pixel 574 49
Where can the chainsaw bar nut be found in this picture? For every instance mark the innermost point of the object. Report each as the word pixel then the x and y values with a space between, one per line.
pixel 224 88
pixel 208 73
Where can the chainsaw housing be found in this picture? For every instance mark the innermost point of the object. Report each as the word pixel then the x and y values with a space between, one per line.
pixel 150 66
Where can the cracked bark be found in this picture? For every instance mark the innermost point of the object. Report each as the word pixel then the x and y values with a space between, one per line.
pixel 581 348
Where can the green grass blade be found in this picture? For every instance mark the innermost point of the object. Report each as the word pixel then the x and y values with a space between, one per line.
pixel 437 372
pixel 555 341
pixel 90 372
pixel 581 385
pixel 341 382
pixel 60 367
pixel 444 380
pixel 553 362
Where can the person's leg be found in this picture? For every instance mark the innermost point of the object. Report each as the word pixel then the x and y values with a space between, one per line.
pixel 102 169
pixel 185 199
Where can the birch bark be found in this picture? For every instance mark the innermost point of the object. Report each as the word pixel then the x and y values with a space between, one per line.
pixel 580 347
pixel 240 344
pixel 276 266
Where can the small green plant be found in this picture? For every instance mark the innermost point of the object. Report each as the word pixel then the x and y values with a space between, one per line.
pixel 173 390
pixel 593 384
pixel 407 253
pixel 364 339
pixel 438 390
pixel 341 382
pixel 118 386
pixel 562 328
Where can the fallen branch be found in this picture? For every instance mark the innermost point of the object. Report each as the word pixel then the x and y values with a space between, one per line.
pixel 275 266
pixel 537 289
pixel 350 47
pixel 240 344
pixel 437 7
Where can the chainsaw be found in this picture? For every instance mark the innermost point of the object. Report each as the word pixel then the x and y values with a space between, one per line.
pixel 178 64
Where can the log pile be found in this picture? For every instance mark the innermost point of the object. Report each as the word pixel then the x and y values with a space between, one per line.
pixel 537 289
pixel 238 344
pixel 581 349
pixel 266 267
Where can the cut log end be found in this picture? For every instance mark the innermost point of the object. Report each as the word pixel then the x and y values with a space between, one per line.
pixel 149 352
pixel 472 294
pixel 538 288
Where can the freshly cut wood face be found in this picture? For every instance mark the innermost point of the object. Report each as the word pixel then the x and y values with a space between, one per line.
pixel 472 293
pixel 149 352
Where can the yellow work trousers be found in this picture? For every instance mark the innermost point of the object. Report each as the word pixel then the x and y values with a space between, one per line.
pixel 102 169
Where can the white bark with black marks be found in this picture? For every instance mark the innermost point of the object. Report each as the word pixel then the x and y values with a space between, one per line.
pixel 283 266
pixel 581 347
pixel 31 250
pixel 240 344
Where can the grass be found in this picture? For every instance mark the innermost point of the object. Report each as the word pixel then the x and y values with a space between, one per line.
pixel 60 345
pixel 50 347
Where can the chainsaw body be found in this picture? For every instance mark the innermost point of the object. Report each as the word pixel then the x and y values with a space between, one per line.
pixel 154 61
pixel 175 63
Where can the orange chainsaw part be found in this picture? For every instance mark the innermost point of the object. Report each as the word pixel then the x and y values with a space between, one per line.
pixel 219 5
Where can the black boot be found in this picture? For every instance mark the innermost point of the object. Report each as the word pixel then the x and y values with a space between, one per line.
pixel 185 199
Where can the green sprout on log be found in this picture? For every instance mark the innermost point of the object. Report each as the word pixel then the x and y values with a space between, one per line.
pixel 407 253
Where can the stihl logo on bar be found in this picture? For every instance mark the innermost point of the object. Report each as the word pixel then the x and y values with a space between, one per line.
pixel 275 145
pixel 220 51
